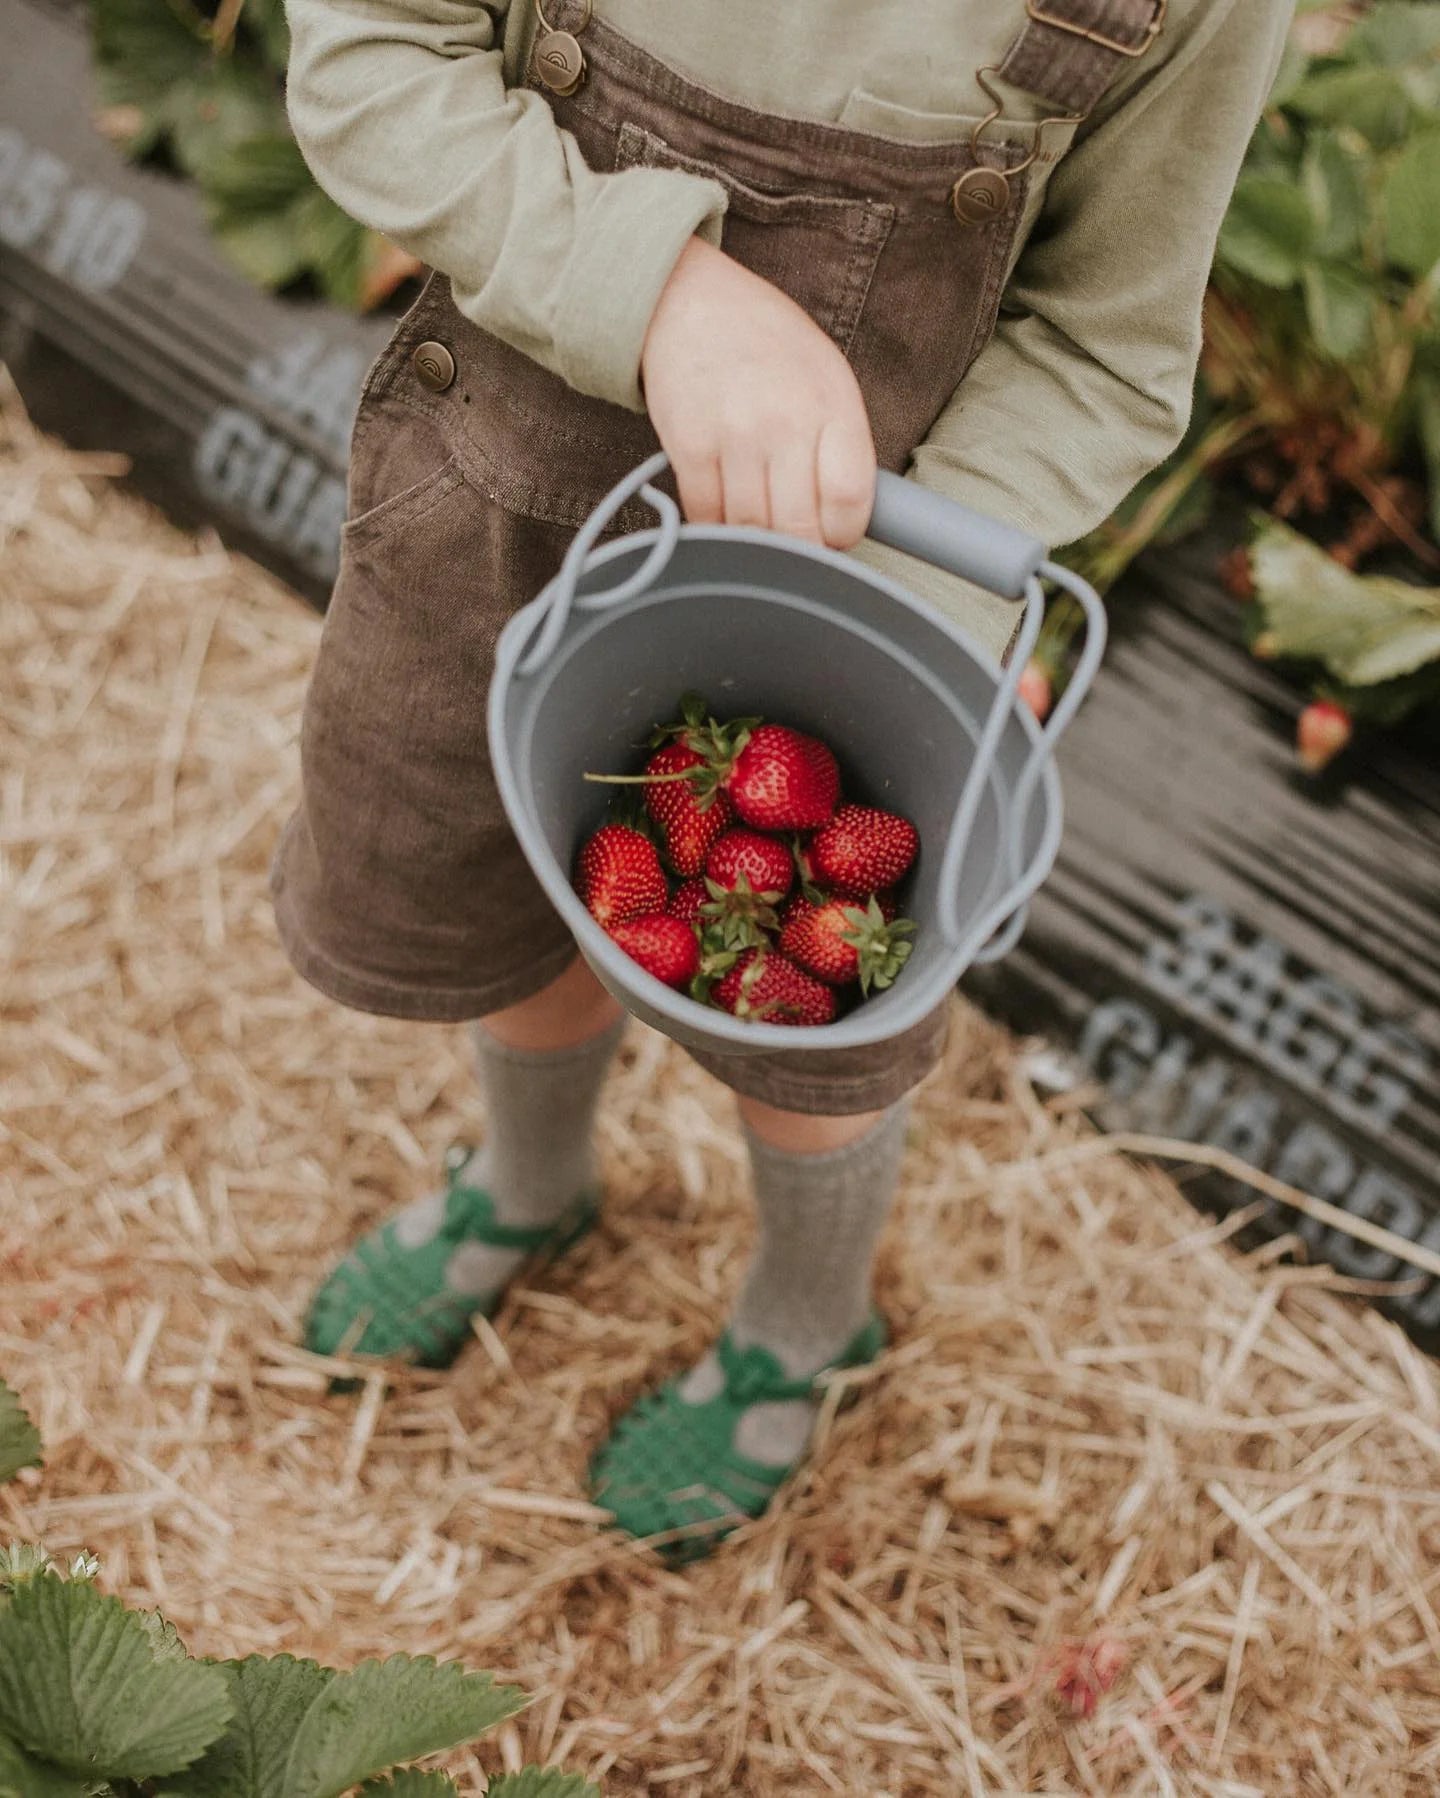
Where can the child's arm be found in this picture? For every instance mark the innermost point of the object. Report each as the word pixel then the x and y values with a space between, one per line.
pixel 1087 383
pixel 401 110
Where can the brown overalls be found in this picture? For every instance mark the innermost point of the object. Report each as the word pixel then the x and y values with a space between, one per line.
pixel 398 886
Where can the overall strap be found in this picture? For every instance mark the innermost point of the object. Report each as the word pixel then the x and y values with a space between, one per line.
pixel 1069 51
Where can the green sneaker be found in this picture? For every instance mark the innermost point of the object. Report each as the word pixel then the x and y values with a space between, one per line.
pixel 670 1468
pixel 395 1293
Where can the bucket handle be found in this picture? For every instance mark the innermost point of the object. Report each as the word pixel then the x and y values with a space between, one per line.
pixel 904 515
pixel 562 595
pixel 1011 907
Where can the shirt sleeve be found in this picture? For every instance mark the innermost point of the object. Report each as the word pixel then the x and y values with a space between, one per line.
pixel 401 110
pixel 1088 381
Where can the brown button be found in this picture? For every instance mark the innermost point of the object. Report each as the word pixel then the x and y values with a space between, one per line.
pixel 979 196
pixel 435 366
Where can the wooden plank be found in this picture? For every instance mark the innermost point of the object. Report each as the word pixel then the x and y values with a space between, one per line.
pixel 1243 956
pixel 126 329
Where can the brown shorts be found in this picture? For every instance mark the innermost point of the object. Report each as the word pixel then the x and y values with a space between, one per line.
pixel 399 887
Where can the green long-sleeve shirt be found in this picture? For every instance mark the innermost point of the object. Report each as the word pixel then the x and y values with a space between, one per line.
pixel 413 116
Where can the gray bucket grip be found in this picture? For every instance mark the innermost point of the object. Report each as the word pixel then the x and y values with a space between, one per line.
pixel 910 518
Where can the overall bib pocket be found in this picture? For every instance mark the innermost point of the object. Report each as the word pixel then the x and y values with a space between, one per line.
pixel 820 249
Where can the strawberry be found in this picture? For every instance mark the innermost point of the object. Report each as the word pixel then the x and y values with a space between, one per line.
pixel 1323 731
pixel 840 942
pixel 745 858
pixel 776 778
pixel 687 899
pixel 619 876
pixel 767 987
pixel 782 780
pixel 746 877
pixel 862 850
pixel 688 822
pixel 1036 688
pixel 663 945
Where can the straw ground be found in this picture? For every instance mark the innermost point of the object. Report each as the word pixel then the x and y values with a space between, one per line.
pixel 1105 1446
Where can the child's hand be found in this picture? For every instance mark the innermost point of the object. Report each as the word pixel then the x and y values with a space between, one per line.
pixel 758 410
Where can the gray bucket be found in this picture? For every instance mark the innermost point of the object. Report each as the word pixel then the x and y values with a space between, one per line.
pixel 922 718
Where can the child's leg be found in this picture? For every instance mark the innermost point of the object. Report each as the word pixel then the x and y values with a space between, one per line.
pixel 717 1442
pixel 412 1285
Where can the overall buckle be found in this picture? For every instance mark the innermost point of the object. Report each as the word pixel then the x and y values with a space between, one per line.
pixel 1152 30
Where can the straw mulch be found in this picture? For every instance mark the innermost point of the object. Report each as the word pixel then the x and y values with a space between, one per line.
pixel 1102 1433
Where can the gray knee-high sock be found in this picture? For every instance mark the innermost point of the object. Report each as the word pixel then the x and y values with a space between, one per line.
pixel 808 1289
pixel 538 1155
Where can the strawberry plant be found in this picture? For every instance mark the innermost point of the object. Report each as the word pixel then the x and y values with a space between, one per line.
pixel 201 82
pixel 1320 380
pixel 99 1700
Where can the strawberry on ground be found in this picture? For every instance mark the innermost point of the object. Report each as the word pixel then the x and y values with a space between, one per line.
pixel 769 988
pixel 664 946
pixel 619 876
pixel 841 942
pixel 689 822
pixel 860 850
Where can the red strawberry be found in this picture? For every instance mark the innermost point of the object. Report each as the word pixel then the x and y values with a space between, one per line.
pixel 1323 731
pixel 745 858
pixel 840 942
pixel 766 987
pixel 782 780
pixel 664 946
pixel 619 876
pixel 862 850
pixel 776 778
pixel 688 821
pixel 687 899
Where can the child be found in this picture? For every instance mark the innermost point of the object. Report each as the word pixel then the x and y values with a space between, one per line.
pixel 962 239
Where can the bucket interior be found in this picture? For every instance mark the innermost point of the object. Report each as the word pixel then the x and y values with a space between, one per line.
pixel 820 648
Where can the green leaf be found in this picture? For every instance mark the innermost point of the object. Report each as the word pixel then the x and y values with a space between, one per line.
pixel 305 1731
pixel 411 1784
pixel 1394 33
pixel 1340 306
pixel 385 1712
pixel 1372 101
pixel 165 1643
pixel 22 1776
pixel 1363 628
pixel 1334 185
pixel 269 1699
pixel 1268 232
pixel 1412 205
pixel 80 1686
pixel 19 1439
pixel 264 21
pixel 541 1782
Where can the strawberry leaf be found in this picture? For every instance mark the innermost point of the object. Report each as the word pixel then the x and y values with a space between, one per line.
pixel 1363 628
pixel 410 1784
pixel 306 1731
pixel 80 1685
pixel 541 1782
pixel 19 1439
pixel 22 1776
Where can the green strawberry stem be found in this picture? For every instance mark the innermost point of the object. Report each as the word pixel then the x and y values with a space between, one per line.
pixel 641 780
